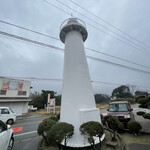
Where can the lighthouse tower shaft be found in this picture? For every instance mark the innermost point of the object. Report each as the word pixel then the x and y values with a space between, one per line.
pixel 78 103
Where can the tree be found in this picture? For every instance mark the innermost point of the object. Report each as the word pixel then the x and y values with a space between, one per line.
pixel 39 100
pixel 122 92
pixel 101 98
pixel 92 129
pixel 44 95
pixel 141 93
pixel 143 102
pixel 44 127
pixel 58 100
pixel 59 132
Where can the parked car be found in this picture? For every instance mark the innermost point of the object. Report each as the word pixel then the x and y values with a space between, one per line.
pixel 30 107
pixel 6 137
pixel 122 110
pixel 7 115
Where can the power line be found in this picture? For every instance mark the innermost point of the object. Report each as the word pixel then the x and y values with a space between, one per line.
pixel 148 52
pixel 14 25
pixel 60 80
pixel 58 8
pixel 117 58
pixel 108 23
pixel 28 30
pixel 30 41
pixel 119 65
pixel 60 49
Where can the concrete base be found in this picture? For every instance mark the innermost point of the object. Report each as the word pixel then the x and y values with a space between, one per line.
pixel 84 144
pixel 87 147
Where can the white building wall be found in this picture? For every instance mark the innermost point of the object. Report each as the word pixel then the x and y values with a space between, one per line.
pixel 25 107
pixel 11 92
pixel 19 103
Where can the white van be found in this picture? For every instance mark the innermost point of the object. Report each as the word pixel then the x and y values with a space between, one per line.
pixel 7 115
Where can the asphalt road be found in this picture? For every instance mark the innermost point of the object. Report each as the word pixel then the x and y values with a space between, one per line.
pixel 27 138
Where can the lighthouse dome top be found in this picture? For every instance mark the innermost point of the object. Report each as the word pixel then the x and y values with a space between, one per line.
pixel 73 24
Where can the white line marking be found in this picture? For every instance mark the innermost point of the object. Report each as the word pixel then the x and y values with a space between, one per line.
pixel 25 133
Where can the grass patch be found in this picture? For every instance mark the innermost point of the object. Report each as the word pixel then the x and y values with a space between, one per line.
pixel 44 111
pixel 102 106
pixel 140 139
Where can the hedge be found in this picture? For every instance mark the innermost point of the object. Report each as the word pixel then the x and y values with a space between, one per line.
pixel 147 116
pixel 134 127
pixel 140 113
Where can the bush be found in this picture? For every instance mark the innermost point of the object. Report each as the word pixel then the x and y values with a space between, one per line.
pixel 120 127
pixel 142 101
pixel 54 118
pixel 44 127
pixel 147 116
pixel 113 123
pixel 138 97
pixel 59 132
pixel 131 100
pixel 92 129
pixel 143 106
pixel 140 113
pixel 134 127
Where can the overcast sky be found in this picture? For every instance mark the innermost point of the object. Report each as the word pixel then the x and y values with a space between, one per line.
pixel 21 59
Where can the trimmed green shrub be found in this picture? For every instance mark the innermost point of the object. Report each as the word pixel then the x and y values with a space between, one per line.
pixel 59 132
pixel 54 118
pixel 134 127
pixel 143 106
pixel 44 127
pixel 138 97
pixel 92 129
pixel 140 113
pixel 131 100
pixel 113 123
pixel 120 127
pixel 147 116
pixel 142 101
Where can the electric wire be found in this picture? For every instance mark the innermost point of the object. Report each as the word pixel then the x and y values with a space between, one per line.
pixel 60 49
pixel 148 52
pixel 27 29
pixel 43 34
pixel 109 24
pixel 60 80
pixel 117 58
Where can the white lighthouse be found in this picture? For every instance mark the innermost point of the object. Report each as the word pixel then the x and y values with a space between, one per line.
pixel 78 103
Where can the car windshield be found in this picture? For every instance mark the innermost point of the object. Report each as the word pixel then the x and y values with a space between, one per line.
pixel 11 110
pixel 118 107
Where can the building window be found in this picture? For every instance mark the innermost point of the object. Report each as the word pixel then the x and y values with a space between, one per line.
pixel 2 92
pixel 22 92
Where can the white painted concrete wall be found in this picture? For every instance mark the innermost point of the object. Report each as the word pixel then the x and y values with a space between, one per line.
pixel 78 103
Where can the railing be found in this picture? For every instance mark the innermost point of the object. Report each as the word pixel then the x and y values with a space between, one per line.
pixel 72 21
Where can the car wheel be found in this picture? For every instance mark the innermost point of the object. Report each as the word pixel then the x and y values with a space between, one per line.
pixel 10 121
pixel 11 143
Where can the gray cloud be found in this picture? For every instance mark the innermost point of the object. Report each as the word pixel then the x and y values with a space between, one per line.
pixel 27 60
